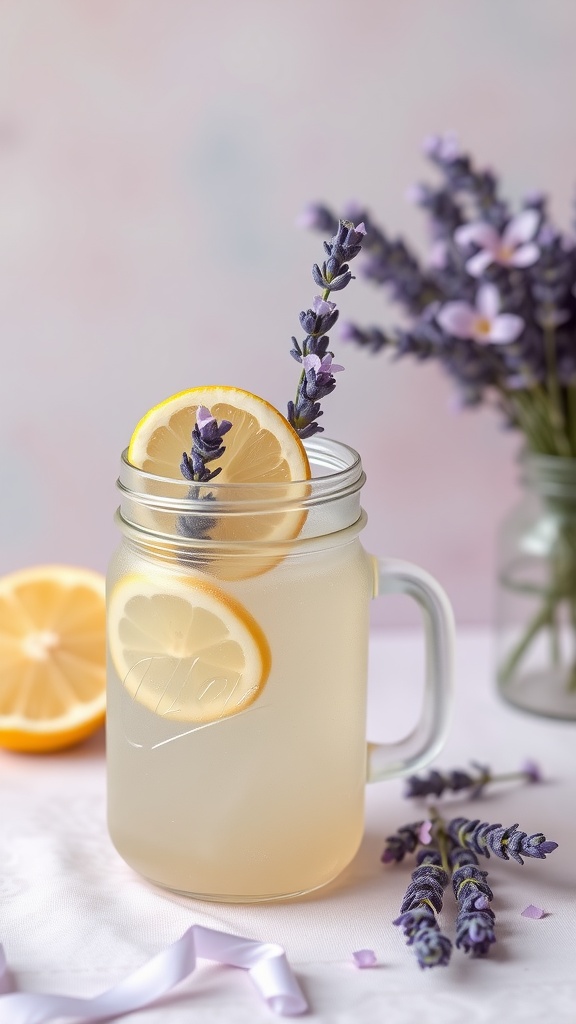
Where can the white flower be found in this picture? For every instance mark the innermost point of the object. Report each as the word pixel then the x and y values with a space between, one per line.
pixel 483 322
pixel 514 248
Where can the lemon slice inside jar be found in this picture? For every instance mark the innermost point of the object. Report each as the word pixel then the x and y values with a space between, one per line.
pixel 187 651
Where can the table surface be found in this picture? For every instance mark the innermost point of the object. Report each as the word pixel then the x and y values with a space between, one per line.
pixel 75 919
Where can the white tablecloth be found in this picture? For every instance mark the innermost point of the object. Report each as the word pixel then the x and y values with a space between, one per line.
pixel 74 918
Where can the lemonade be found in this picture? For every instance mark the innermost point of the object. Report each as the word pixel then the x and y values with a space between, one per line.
pixel 266 801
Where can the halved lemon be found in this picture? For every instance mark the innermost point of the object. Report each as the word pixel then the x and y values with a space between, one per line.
pixel 52 657
pixel 261 448
pixel 187 651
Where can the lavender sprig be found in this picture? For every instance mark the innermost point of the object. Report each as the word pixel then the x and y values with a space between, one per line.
pixel 450 850
pixel 436 782
pixel 404 841
pixel 317 378
pixel 475 920
pixel 422 901
pixel 206 447
pixel 495 302
pixel 484 839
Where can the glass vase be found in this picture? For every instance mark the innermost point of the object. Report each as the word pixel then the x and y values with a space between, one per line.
pixel 536 597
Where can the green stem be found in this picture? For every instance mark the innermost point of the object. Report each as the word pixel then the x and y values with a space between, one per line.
pixel 541 619
pixel 556 406
pixel 441 838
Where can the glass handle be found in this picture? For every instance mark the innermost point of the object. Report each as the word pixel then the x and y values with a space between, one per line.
pixel 386 760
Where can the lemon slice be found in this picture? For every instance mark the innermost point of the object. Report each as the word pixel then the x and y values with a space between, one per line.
pixel 52 657
pixel 261 448
pixel 186 650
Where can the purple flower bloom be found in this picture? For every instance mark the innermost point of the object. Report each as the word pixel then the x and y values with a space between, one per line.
pixel 531 770
pixel 442 147
pixel 481 323
pixel 513 248
pixel 206 447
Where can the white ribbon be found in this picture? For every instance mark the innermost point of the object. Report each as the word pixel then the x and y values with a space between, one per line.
pixel 265 962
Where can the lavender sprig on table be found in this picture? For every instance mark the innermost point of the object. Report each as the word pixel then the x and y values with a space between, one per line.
pixel 475 920
pixel 422 902
pixel 317 378
pixel 484 839
pixel 436 783
pixel 402 842
pixel 448 851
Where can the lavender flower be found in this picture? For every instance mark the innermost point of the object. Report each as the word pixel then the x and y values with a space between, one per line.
pixel 404 841
pixel 475 920
pixel 423 899
pixel 514 248
pixel 484 839
pixel 206 447
pixel 436 783
pixel 317 378
pixel 493 277
pixel 483 322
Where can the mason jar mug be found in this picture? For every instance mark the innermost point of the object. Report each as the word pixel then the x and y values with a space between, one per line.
pixel 238 625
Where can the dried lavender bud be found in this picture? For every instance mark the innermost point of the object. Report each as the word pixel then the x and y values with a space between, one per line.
pixel 484 839
pixel 417 918
pixel 475 920
pixel 404 841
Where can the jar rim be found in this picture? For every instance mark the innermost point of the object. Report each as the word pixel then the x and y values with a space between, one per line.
pixel 339 473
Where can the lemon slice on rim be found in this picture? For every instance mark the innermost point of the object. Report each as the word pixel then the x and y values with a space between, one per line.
pixel 52 657
pixel 261 448
pixel 187 651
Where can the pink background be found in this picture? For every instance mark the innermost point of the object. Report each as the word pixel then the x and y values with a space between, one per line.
pixel 153 159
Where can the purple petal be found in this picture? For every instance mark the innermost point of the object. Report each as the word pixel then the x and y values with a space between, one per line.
pixel 488 301
pixel 311 362
pixel 360 228
pixel 521 228
pixel 534 912
pixel 365 958
pixel 525 255
pixel 477 264
pixel 505 328
pixel 415 194
pixel 480 233
pixel 425 832
pixel 449 149
pixel 203 416
pixel 431 144
pixel 438 254
pixel 320 305
pixel 457 318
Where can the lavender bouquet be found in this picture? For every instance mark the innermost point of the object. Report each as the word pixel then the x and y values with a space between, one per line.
pixel 495 304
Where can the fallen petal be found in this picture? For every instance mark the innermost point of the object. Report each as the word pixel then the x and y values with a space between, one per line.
pixel 534 912
pixel 365 958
